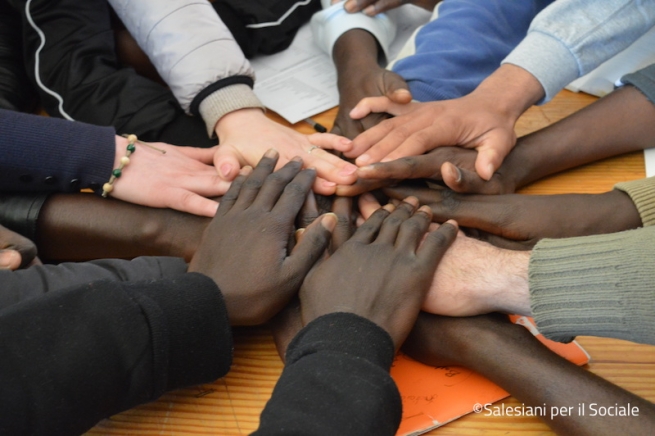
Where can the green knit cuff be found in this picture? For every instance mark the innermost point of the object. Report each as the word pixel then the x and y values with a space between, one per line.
pixel 642 193
pixel 595 285
pixel 224 101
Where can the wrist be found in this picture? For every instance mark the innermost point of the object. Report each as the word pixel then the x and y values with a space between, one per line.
pixel 239 119
pixel 509 291
pixel 511 90
pixel 121 147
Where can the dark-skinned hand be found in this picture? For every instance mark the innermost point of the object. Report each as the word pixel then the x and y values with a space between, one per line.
pixel 454 166
pixel 374 7
pixel 526 219
pixel 245 247
pixel 16 251
pixel 382 272
pixel 286 324
pixel 359 77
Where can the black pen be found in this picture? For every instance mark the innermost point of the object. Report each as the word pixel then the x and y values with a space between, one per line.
pixel 318 127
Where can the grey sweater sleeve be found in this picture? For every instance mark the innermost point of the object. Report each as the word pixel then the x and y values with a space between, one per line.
pixel 642 193
pixel 600 285
pixel 16 286
pixel 643 80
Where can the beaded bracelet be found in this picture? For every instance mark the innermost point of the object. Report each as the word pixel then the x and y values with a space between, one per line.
pixel 125 160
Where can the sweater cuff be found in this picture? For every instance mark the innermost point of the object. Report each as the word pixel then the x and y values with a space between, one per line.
pixel 642 193
pixel 643 80
pixel 199 340
pixel 554 68
pixel 345 333
pixel 332 22
pixel 595 285
pixel 226 100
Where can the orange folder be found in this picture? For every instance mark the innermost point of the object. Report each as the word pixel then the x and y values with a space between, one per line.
pixel 434 396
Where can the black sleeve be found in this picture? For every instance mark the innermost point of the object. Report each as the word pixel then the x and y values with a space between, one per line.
pixel 74 357
pixel 23 284
pixel 336 382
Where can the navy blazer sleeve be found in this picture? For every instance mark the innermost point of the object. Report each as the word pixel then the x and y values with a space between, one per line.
pixel 49 154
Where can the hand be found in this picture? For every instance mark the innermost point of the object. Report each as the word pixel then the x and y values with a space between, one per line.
pixel 286 324
pixel 179 179
pixel 455 166
pixel 247 133
pixel 382 272
pixel 374 7
pixel 244 248
pixel 16 251
pixel 483 120
pixel 359 75
pixel 527 219
pixel 474 277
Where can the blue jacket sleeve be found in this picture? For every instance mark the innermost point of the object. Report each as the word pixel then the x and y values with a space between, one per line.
pixel 49 154
pixel 464 45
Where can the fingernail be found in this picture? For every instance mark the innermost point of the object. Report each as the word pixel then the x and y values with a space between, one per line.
pixel 370 11
pixel 365 169
pixel 271 153
pixel 245 170
pixel 329 221
pixel 452 223
pixel 9 259
pixel 368 197
pixel 363 159
pixel 454 172
pixel 297 159
pixel 490 172
pixel 349 6
pixel 346 141
pixel 411 200
pixel 347 170
pixel 401 91
pixel 298 233
pixel 425 209
pixel 329 184
pixel 225 170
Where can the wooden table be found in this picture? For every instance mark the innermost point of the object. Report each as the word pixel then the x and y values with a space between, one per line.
pixel 231 406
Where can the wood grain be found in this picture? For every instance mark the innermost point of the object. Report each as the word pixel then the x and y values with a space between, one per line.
pixel 231 406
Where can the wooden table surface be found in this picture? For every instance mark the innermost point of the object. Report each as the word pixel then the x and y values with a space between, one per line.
pixel 231 406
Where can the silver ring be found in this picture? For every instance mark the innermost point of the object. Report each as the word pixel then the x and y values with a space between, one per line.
pixel 312 148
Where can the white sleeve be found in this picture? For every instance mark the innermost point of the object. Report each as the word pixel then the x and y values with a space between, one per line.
pixel 333 21
pixel 188 43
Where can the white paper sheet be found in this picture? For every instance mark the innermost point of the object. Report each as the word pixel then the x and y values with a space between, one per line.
pixel 302 81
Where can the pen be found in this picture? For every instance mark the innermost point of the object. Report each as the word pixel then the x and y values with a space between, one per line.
pixel 318 127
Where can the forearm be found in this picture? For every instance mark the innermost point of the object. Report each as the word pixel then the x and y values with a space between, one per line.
pixel 355 51
pixel 78 227
pixel 622 122
pixel 537 377
pixel 144 338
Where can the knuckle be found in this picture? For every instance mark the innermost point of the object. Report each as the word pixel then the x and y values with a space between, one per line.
pixel 253 183
pixel 296 189
pixel 450 200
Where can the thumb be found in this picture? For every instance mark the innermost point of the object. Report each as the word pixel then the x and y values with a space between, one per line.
pixel 227 163
pixel 10 259
pixel 396 88
pixel 311 246
pixel 488 161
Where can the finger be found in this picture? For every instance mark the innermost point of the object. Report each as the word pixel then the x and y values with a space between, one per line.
pixel 330 141
pixel 256 179
pixel 207 185
pixel 324 187
pixel 395 86
pixel 361 186
pixel 352 6
pixel 204 155
pixel 367 231
pixel 294 195
pixel 391 226
pixel 10 259
pixel 331 167
pixel 408 138
pixel 310 249
pixel 412 167
pixel 226 162
pixel 189 202
pixel 275 183
pixel 232 194
pixel 437 242
pixel 347 127
pixel 412 230
pixel 424 195
pixel 491 155
pixel 309 211
pixel 382 6
pixel 342 207
pixel 465 181
pixel 378 105
pixel 367 205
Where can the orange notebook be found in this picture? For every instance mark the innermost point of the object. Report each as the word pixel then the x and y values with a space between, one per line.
pixel 434 396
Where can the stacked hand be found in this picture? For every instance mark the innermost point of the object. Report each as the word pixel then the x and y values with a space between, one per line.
pixel 16 251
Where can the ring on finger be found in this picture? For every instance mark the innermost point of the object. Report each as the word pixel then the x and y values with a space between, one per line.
pixel 312 148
